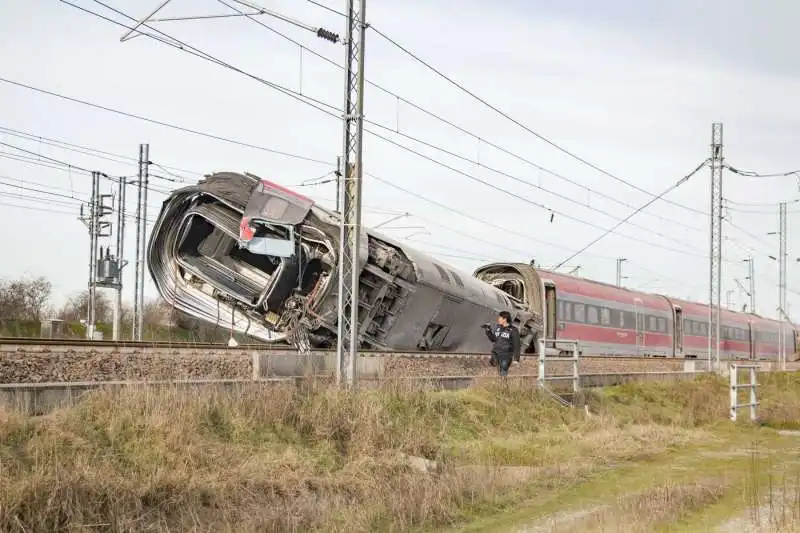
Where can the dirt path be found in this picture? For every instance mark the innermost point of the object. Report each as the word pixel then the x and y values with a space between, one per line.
pixel 705 487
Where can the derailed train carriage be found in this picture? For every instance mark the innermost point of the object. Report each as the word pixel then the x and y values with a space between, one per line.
pixel 248 254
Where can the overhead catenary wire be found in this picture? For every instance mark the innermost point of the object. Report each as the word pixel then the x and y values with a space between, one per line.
pixel 451 124
pixel 526 128
pixel 183 46
pixel 165 124
pixel 751 174
pixel 649 202
pixel 168 43
pixel 537 204
pixel 746 232
pixel 91 151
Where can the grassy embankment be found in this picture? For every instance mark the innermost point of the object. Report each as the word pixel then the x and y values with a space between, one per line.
pixel 317 459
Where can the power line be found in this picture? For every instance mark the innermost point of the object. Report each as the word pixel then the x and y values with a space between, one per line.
pixel 90 151
pixel 297 96
pixel 754 237
pixel 508 117
pixel 537 204
pixel 455 126
pixel 751 174
pixel 54 160
pixel 670 189
pixel 307 100
pixel 194 51
pixel 182 46
pixel 165 124
pixel 529 184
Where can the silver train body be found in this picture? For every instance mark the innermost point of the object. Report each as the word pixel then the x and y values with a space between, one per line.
pixel 252 256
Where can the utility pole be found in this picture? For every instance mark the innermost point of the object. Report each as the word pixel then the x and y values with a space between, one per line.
pixel 729 299
pixel 715 252
pixel 782 284
pixel 348 339
pixel 141 242
pixel 101 269
pixel 120 262
pixel 619 270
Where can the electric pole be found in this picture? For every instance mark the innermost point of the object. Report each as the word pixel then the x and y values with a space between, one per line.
pixel 348 339
pixel 715 252
pixel 120 262
pixel 102 271
pixel 782 283
pixel 619 270
pixel 729 299
pixel 141 242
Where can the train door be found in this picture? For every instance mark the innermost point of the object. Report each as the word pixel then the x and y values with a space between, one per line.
pixel 678 342
pixel 551 319
pixel 640 327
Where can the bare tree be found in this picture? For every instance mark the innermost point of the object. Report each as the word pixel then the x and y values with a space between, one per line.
pixel 157 313
pixel 24 299
pixel 78 304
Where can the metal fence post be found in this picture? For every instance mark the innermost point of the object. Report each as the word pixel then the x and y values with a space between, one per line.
pixel 576 385
pixel 734 389
pixel 542 347
pixel 752 393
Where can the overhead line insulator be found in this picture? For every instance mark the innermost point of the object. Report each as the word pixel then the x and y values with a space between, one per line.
pixel 328 35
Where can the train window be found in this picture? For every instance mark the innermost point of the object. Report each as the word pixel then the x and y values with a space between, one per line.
pixel 568 311
pixel 605 316
pixel 662 325
pixel 591 314
pixel 622 319
pixel 457 279
pixel 651 325
pixel 579 313
pixel 560 310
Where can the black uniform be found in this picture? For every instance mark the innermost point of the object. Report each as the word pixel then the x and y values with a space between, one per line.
pixel 506 342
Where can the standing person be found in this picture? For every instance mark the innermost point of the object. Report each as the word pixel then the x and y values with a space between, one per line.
pixel 505 337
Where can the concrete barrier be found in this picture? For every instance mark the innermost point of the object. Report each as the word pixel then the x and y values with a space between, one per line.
pixel 40 398
pixel 268 365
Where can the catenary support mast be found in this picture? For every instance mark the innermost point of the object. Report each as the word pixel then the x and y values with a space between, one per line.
pixel 782 285
pixel 715 252
pixel 141 242
pixel 348 340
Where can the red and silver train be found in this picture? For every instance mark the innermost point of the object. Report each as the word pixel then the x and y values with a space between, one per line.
pixel 609 320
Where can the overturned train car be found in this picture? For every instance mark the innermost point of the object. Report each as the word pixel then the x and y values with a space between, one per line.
pixel 252 256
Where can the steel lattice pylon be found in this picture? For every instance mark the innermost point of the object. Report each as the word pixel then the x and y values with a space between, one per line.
pixel 782 286
pixel 348 339
pixel 715 252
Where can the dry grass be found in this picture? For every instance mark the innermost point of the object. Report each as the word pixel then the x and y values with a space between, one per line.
pixel 641 512
pixel 282 459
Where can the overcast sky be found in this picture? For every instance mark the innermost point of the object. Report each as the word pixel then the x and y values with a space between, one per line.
pixel 630 86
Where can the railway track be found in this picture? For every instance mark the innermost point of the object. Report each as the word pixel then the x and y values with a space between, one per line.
pixel 8 344
pixel 27 360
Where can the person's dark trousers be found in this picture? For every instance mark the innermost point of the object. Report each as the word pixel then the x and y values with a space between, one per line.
pixel 503 365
